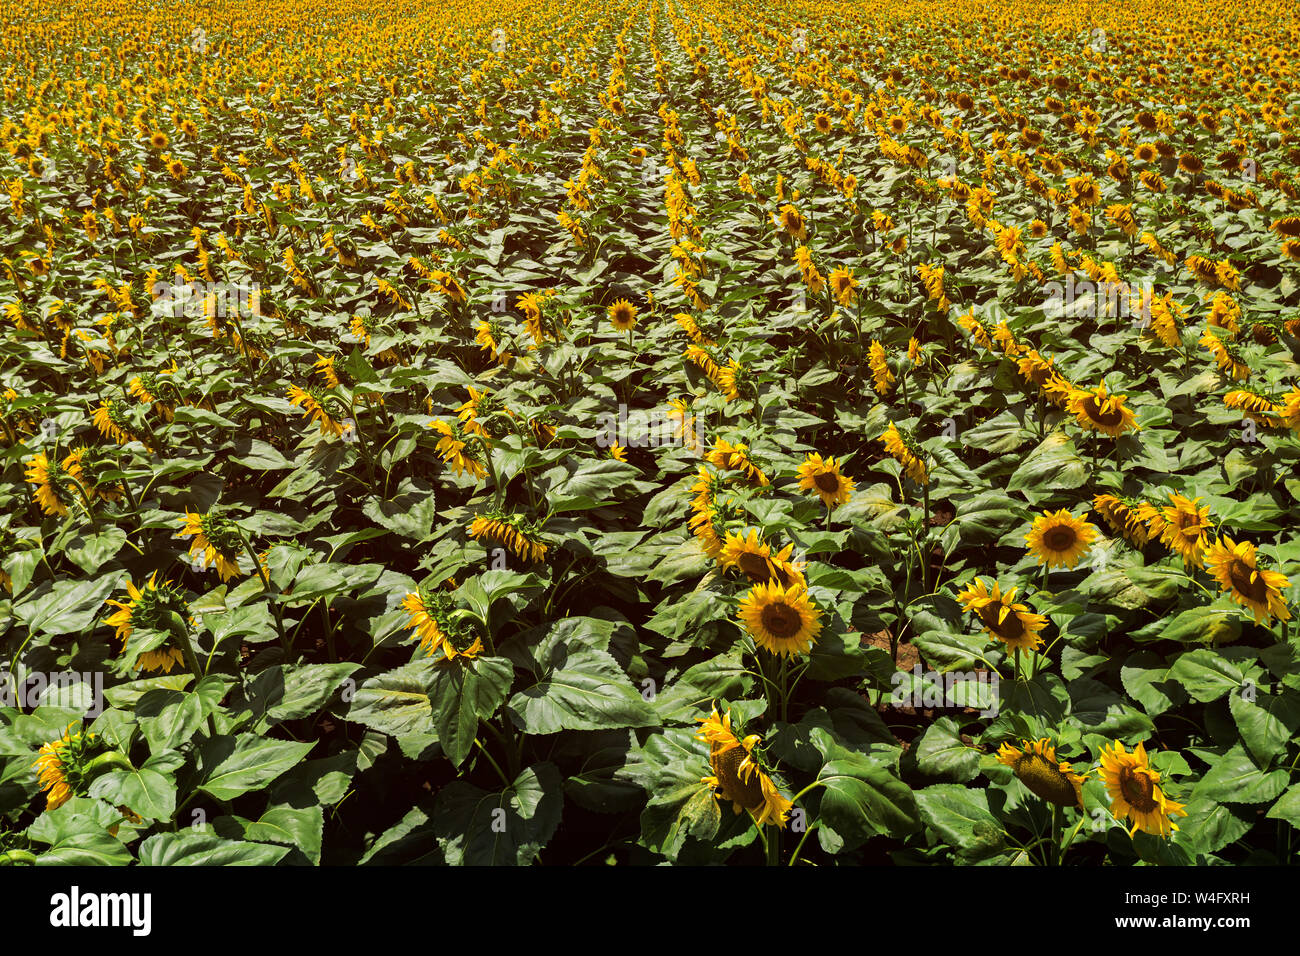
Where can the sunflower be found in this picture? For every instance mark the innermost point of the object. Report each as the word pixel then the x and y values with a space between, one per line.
pixel 453 446
pixel 312 402
pixel 513 530
pixel 737 772
pixel 822 122
pixel 755 559
pixel 147 607
pixel 1098 410
pixel 822 476
pixel 1184 527
pixel 1013 624
pixel 843 285
pixel 217 540
pixel 907 454
pixel 1134 793
pixel 1059 539
pixel 879 365
pixel 54 482
pixel 1124 517
pixel 58 764
pixel 1042 774
pixel 783 620
pixel 736 457
pixel 623 315
pixel 424 609
pixel 112 422
pixel 792 222
pixel 1225 357
pixel 1259 590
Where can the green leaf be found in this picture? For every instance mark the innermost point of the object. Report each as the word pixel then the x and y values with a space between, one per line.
pixel 230 766
pixel 589 692
pixel 1053 466
pixel 1234 778
pixel 862 798
pixel 942 752
pixel 299 827
pixel 461 695
pixel 476 827
pixel 961 818
pixel 146 791
pixel 396 702
pixel 1206 674
pixel 1268 722
pixel 1287 807
pixel 192 848
pixel 66 607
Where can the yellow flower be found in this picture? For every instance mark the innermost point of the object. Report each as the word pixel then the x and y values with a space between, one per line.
pixel 1098 410
pixel 1183 528
pixel 784 621
pixel 512 530
pixel 1011 623
pixel 1123 517
pixel 1042 774
pixel 146 607
pixel 623 315
pixel 822 477
pixel 453 446
pixel 906 455
pixel 1134 793
pixel 879 365
pixel 216 540
pixel 843 285
pixel 1059 539
pixel 755 559
pixel 737 774
pixel 1236 568
pixel 311 403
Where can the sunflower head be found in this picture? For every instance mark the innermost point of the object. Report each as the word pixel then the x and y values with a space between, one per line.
pixel 1036 766
pixel 738 773
pixel 1059 539
pixel 1239 569
pixel 622 315
pixel 1135 792
pixel 64 766
pixel 783 621
pixel 1005 620
pixel 821 476
pixel 151 607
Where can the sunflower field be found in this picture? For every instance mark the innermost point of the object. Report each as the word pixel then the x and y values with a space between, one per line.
pixel 640 432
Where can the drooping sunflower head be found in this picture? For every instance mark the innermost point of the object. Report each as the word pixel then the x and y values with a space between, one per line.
pixel 783 621
pixel 459 448
pixel 1236 566
pixel 62 765
pixel 738 773
pixel 54 487
pixel 217 540
pixel 1045 776
pixel 821 476
pixel 907 453
pixel 113 422
pixel 1135 792
pixel 1059 539
pixel 521 535
pixel 435 619
pixel 792 221
pixel 1124 517
pixel 150 607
